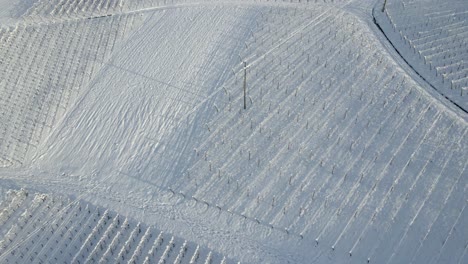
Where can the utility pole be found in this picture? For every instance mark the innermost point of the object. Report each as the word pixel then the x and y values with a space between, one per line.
pixel 245 85
pixel 384 5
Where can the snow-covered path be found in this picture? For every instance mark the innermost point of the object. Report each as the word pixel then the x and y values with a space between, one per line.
pixel 341 155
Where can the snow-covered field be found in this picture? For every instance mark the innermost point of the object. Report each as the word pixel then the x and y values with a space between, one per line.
pixel 136 110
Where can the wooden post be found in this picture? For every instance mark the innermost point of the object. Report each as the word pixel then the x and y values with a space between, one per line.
pixel 245 85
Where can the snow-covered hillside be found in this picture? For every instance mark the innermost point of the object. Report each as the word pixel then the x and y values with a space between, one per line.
pixel 432 35
pixel 45 66
pixel 11 11
pixel 341 155
pixel 43 228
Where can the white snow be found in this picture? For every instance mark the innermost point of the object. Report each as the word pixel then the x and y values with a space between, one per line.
pixel 342 155
pixel 11 11
pixel 60 230
pixel 433 37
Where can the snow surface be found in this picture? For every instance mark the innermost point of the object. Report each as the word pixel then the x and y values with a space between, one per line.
pixel 343 155
pixel 433 36
pixel 11 11
pixel 83 233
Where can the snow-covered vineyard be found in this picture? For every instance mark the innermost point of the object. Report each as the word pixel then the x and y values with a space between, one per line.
pixel 128 124
pixel 433 36
pixel 45 229
pixel 44 69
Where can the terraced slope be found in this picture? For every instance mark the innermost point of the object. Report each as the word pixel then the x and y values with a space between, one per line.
pixel 46 229
pixel 66 9
pixel 433 37
pixel 45 67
